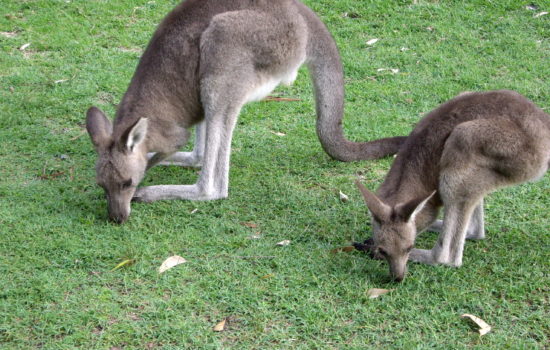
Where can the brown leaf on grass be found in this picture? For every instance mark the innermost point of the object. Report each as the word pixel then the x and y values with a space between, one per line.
pixel 376 292
pixel 484 328
pixel 134 317
pixel 220 327
pixel 171 262
pixel 278 133
pixel 51 176
pixel 24 46
pixel 281 99
pixel 346 249
pixel 283 243
pixel 249 224
pixel 544 13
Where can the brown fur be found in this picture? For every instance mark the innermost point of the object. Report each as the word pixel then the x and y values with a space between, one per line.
pixel 205 61
pixel 464 149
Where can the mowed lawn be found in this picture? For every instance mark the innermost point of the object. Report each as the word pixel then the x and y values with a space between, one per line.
pixel 58 289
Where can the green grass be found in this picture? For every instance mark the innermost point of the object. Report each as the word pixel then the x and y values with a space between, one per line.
pixel 57 248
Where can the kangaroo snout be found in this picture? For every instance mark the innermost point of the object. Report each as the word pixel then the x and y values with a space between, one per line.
pixel 398 270
pixel 119 211
pixel 398 278
pixel 118 218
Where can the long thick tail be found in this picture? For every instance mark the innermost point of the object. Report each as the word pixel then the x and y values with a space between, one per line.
pixel 328 79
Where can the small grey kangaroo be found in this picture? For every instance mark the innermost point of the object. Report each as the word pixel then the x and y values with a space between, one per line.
pixel 205 61
pixel 459 152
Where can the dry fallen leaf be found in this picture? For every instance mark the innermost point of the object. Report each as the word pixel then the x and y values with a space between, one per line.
pixel 281 99
pixel 220 326
pixel 376 292
pixel 278 133
pixel 249 224
pixel 346 249
pixel 171 262
pixel 372 41
pixel 24 46
pixel 283 243
pixel 60 81
pixel 351 15
pixel 343 197
pixel 540 14
pixel 126 262
pixel 131 49
pixel 9 34
pixel 484 328
pixel 393 70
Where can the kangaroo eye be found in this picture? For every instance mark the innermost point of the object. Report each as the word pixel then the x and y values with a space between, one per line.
pixel 126 184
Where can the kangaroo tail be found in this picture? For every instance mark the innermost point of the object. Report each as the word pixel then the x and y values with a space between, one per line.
pixel 326 71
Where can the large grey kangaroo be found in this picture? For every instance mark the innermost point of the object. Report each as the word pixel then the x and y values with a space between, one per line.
pixel 205 61
pixel 458 153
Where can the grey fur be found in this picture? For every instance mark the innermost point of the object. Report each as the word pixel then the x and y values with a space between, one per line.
pixel 464 149
pixel 205 61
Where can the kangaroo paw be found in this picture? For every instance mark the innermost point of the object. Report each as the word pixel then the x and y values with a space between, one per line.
pixel 423 256
pixel 184 159
pixel 163 192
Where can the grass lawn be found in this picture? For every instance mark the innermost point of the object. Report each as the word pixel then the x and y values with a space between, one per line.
pixel 57 249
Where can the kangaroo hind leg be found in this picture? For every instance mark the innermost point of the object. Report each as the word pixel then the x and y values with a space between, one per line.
pixel 479 157
pixel 236 68
pixel 476 228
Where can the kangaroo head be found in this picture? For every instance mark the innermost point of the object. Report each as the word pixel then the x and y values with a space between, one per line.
pixel 122 162
pixel 394 230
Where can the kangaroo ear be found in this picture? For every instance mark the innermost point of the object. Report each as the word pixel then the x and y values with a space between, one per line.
pixel 379 209
pixel 410 209
pixel 135 135
pixel 99 128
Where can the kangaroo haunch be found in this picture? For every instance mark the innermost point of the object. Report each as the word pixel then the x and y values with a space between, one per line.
pixel 205 61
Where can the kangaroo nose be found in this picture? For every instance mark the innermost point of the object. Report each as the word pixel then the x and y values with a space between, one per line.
pixel 119 219
pixel 399 278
